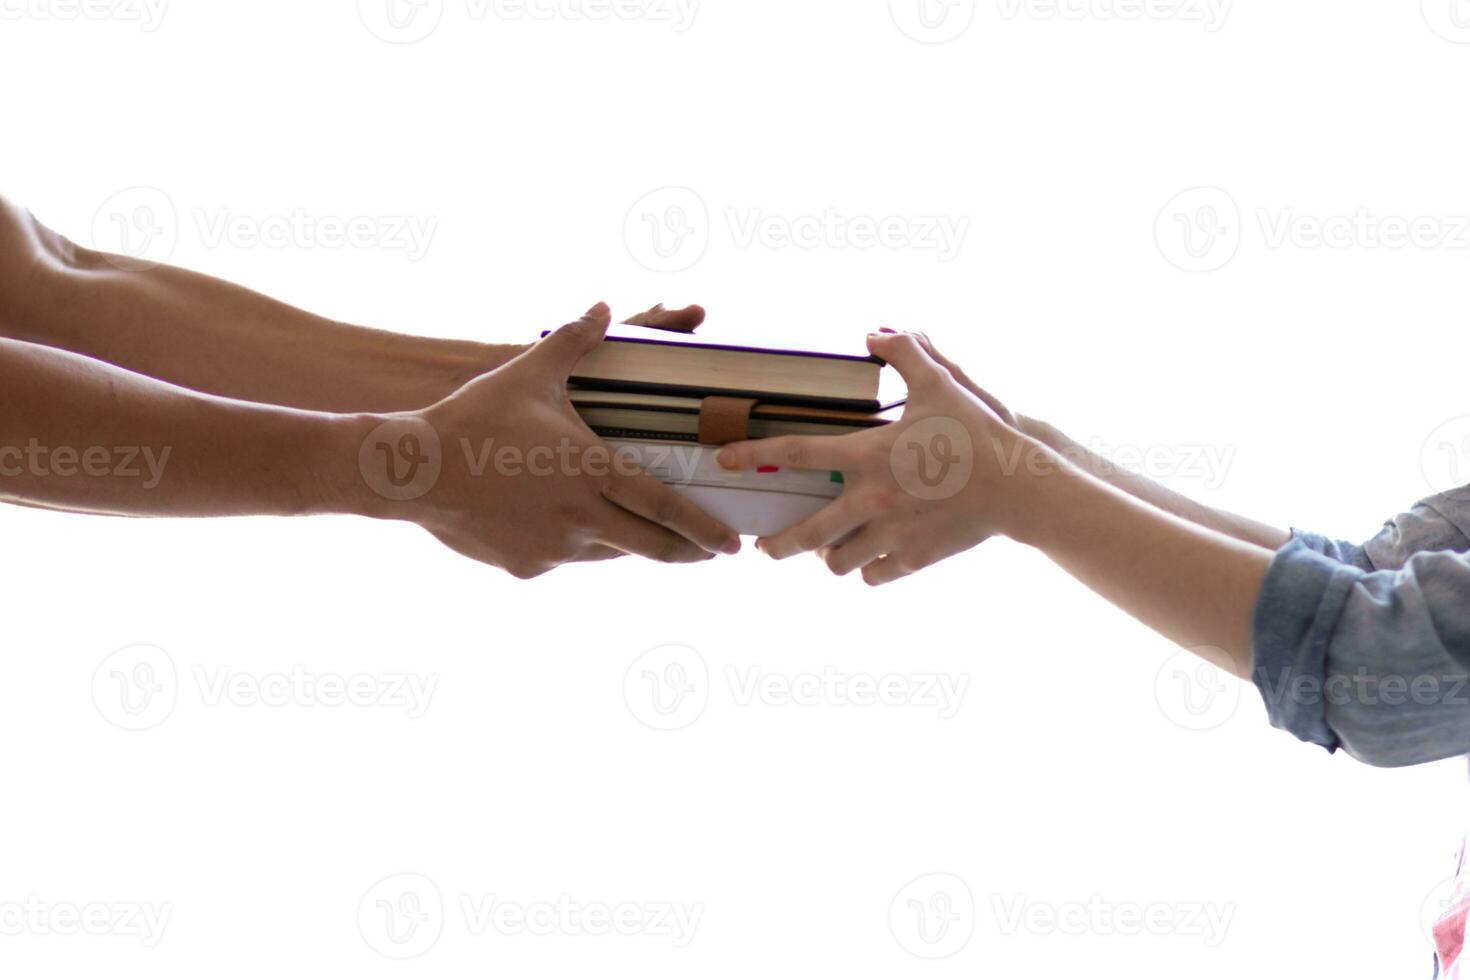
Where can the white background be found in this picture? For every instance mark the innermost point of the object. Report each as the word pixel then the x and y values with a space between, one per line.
pixel 1068 778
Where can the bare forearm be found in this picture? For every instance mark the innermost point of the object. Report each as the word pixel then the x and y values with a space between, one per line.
pixel 1193 584
pixel 213 336
pixel 79 434
pixel 1133 484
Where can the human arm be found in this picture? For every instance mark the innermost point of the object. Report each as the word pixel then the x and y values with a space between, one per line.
pixel 213 336
pixel 1134 484
pixel 1370 658
pixel 216 456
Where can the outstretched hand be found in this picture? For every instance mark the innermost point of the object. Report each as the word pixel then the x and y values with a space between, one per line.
pixel 525 485
pixel 915 492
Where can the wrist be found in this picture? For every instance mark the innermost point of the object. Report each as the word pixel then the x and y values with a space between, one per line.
pixel 1030 471
pixel 374 464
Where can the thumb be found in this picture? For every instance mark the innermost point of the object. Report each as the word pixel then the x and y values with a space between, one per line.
pixel 908 356
pixel 560 350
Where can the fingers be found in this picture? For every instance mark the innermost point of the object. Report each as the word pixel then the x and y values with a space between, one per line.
pixel 865 547
pixel 887 569
pixel 793 452
pixel 632 534
pixel 561 349
pixel 679 321
pixel 831 523
pixel 907 356
pixel 652 501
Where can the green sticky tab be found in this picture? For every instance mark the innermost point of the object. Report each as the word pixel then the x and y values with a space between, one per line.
pixel 836 477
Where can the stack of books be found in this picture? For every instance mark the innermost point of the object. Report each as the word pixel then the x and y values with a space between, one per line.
pixel 669 404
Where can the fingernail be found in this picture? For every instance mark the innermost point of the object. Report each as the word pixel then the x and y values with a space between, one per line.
pixel 601 309
pixel 726 458
pixel 886 330
pixel 732 547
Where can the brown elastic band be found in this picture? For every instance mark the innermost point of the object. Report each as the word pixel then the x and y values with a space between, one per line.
pixel 723 420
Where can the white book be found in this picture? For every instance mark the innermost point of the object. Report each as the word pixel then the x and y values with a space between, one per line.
pixel 760 502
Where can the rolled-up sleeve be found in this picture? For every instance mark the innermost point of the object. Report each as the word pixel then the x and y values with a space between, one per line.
pixel 1368 648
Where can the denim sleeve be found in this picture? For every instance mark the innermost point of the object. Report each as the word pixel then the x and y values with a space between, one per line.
pixel 1438 523
pixel 1368 649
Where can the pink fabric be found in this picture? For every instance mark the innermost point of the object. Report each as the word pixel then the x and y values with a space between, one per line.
pixel 1449 934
